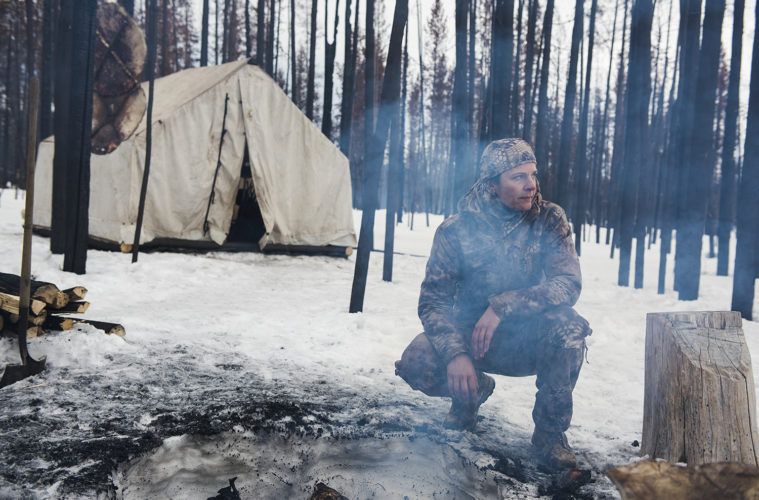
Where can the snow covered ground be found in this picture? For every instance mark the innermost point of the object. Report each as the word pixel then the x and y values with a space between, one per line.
pixel 250 366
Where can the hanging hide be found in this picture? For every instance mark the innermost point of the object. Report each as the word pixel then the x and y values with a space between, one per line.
pixel 118 100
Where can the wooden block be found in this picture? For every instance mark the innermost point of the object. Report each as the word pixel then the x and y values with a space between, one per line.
pixel 58 323
pixel 10 303
pixel 76 293
pixel 108 328
pixel 74 308
pixel 33 320
pixel 126 248
pixel 699 401
pixel 34 331
pixel 656 479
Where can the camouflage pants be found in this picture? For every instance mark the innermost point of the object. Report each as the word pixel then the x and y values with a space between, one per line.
pixel 550 345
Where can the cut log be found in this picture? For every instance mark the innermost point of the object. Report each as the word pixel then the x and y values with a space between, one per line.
pixel 74 308
pixel 33 320
pixel 651 479
pixel 699 403
pixel 76 293
pixel 2 322
pixel 10 303
pixel 108 328
pixel 58 323
pixel 34 331
pixel 40 290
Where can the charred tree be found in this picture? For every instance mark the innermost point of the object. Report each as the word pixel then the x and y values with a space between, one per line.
pixel 729 143
pixel 514 97
pixel 76 147
pixel 636 129
pixel 330 50
pixel 295 94
pixel 532 15
pixel 349 76
pixel 459 129
pixel 746 267
pixel 581 158
pixel 541 130
pixel 501 68
pixel 698 180
pixel 270 38
pixel 260 32
pixel 567 121
pixel 204 35
pixel 46 85
pixel 389 107
pixel 248 40
pixel 312 58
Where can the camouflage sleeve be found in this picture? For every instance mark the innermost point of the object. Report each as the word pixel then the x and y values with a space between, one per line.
pixel 437 297
pixel 561 268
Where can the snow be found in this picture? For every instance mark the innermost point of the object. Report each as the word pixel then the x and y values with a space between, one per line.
pixel 249 365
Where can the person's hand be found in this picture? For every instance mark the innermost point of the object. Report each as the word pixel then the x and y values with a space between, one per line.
pixel 462 379
pixel 483 332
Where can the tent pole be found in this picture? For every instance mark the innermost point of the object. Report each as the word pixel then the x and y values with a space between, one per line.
pixel 218 165
pixel 148 139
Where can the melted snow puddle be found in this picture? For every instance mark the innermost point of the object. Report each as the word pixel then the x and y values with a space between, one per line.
pixel 270 465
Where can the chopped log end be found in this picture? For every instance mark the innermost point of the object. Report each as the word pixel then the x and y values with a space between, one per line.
pixel 74 308
pixel 10 303
pixel 32 319
pixel 34 331
pixel 108 328
pixel 348 251
pixel 126 248
pixel 75 293
pixel 58 323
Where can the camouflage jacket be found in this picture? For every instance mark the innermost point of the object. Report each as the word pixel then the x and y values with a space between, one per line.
pixel 519 263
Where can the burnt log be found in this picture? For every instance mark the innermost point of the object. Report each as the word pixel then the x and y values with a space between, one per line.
pixel 40 290
pixel 699 402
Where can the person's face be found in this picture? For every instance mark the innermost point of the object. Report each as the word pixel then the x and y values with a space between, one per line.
pixel 517 187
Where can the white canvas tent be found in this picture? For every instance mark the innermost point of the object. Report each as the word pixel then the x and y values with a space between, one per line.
pixel 301 180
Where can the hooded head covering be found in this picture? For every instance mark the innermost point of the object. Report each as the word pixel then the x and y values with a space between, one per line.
pixel 500 156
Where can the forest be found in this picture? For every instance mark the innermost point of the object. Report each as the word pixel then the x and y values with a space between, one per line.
pixel 645 130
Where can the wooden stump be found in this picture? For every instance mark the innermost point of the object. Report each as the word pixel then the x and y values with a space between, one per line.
pixel 699 403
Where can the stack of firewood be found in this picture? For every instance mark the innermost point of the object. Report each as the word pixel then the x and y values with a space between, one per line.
pixel 49 308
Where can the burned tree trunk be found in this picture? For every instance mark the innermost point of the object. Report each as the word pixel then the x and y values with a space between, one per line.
pixel 746 261
pixel 698 181
pixel 541 129
pixel 459 130
pixel 260 28
pixel 501 68
pixel 349 75
pixel 204 35
pixel 729 172
pixel 330 50
pixel 312 58
pixel 389 106
pixel 567 121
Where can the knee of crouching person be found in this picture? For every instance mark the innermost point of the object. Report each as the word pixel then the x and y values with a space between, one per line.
pixel 417 366
pixel 566 328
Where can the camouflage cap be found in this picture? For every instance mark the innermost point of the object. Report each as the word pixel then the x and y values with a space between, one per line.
pixel 503 155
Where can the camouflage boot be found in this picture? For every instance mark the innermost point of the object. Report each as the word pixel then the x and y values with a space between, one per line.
pixel 553 450
pixel 463 416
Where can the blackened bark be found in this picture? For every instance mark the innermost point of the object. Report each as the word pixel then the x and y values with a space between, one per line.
pixel 329 68
pixel 389 107
pixel 312 58
pixel 516 72
pixel 47 68
pixel 80 122
pixel 541 129
pixel 459 130
pixel 581 159
pixel 248 40
pixel 63 62
pixel 402 156
pixel 746 251
pixel 204 35
pixel 295 94
pixel 532 15
pixel 501 68
pixel 562 193
pixel 165 35
pixel 260 32
pixel 270 38
pixel 636 129
pixel 349 75
pixel 728 181
pixel 699 179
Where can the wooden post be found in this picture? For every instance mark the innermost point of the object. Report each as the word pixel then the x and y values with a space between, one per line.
pixel 699 403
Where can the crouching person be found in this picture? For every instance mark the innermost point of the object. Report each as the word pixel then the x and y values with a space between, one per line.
pixel 497 297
